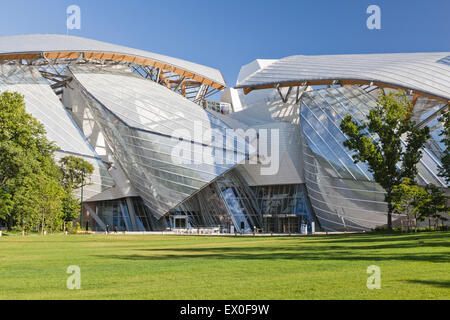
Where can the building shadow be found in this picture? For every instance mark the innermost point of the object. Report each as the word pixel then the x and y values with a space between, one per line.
pixel 359 248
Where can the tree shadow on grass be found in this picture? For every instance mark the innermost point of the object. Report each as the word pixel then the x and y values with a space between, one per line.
pixel 351 248
pixel 439 283
pixel 387 237
pixel 433 239
pixel 275 254
pixel 316 248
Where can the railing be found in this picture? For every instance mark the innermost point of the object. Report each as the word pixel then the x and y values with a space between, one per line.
pixel 198 231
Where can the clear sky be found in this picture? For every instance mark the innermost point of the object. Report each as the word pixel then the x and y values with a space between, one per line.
pixel 231 33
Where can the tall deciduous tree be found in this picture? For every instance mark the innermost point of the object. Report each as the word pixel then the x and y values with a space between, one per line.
pixel 70 207
pixel 11 161
pixel 437 206
pixel 6 205
pixel 76 172
pixel 409 199
pixel 26 158
pixel 378 142
pixel 49 204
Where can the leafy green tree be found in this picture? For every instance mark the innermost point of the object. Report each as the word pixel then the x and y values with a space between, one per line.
pixel 409 199
pixel 20 128
pixel 445 169
pixel 378 142
pixel 437 206
pixel 38 199
pixel 76 172
pixel 70 207
pixel 12 161
pixel 6 205
pixel 26 160
pixel 50 204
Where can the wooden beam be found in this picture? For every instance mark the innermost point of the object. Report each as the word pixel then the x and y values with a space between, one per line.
pixel 109 56
pixel 349 82
pixel 61 55
pixel 163 77
pixel 24 56
pixel 414 100
pixel 183 89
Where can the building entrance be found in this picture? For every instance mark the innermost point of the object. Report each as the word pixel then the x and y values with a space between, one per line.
pixel 282 224
pixel 180 222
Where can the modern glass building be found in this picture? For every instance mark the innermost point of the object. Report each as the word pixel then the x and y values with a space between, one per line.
pixel 273 162
pixel 320 91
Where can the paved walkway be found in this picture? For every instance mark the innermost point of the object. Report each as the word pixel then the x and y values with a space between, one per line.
pixel 174 233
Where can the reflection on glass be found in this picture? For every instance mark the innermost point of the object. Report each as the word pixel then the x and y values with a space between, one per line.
pixel 137 118
pixel 342 193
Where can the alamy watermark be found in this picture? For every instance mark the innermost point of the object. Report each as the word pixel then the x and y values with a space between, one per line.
pixel 374 280
pixel 73 21
pixel 227 147
pixel 374 20
pixel 74 280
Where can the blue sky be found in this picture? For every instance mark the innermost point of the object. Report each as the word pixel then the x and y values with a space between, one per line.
pixel 228 34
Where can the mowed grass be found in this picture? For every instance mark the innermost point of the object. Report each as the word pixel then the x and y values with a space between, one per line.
pixel 171 267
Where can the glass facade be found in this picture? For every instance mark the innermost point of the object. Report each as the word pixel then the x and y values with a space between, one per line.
pixel 114 214
pixel 145 220
pixel 430 120
pixel 284 208
pixel 138 119
pixel 118 214
pixel 181 160
pixel 227 203
pixel 342 193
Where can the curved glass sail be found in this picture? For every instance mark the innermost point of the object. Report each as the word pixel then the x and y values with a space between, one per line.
pixel 343 194
pixel 169 147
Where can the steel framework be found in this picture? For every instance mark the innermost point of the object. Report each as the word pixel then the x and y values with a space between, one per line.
pixel 53 67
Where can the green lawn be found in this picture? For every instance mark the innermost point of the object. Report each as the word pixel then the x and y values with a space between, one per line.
pixel 170 267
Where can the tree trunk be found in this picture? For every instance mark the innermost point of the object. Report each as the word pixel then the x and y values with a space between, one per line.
pixel 390 210
pixel 42 226
pixel 9 223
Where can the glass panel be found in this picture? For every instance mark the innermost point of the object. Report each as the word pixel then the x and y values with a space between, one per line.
pixel 138 117
pixel 344 201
